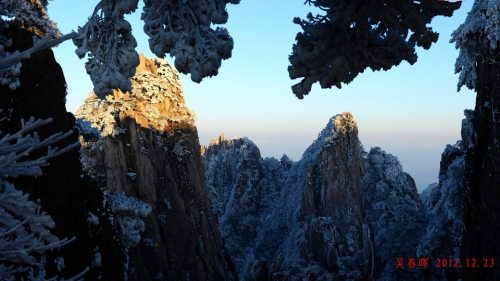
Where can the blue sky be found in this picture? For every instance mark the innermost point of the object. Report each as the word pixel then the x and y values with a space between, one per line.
pixel 411 112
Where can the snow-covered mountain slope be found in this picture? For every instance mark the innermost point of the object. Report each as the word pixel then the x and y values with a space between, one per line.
pixel 444 208
pixel 304 218
pixel 339 213
pixel 395 214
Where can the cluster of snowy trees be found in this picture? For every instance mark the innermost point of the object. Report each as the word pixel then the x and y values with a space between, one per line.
pixel 183 29
pixel 380 34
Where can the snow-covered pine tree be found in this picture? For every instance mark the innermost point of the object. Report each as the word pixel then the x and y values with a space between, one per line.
pixel 24 227
pixel 30 13
pixel 353 35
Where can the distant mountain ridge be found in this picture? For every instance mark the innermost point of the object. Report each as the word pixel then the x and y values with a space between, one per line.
pixel 339 213
pixel 281 211
pixel 427 191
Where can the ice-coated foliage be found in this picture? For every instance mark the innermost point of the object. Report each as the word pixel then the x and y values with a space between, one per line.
pixel 353 35
pixel 8 71
pixel 395 214
pixel 108 39
pixel 102 117
pixel 24 227
pixel 128 213
pixel 481 28
pixel 444 208
pixel 183 29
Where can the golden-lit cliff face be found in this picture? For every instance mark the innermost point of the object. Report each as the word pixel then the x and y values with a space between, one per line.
pixel 156 101
pixel 150 150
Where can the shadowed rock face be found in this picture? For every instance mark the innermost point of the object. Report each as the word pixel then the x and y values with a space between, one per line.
pixel 302 219
pixel 481 137
pixel 150 151
pixel 65 193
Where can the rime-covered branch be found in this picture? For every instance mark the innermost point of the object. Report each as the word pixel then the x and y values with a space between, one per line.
pixel 40 44
pixel 357 34
pixel 15 206
pixel 108 39
pixel 11 152
pixel 183 29
pixel 24 227
pixel 480 27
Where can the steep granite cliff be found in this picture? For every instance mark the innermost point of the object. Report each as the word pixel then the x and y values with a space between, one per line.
pixel 150 151
pixel 444 208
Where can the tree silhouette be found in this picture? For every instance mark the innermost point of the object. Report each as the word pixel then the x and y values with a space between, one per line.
pixel 356 34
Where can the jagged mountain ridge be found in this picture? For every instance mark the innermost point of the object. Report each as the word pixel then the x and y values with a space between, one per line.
pixel 281 211
pixel 338 213
pixel 425 193
pixel 395 214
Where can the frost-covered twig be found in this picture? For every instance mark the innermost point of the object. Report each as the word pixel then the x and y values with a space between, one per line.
pixel 10 152
pixel 24 228
pixel 46 42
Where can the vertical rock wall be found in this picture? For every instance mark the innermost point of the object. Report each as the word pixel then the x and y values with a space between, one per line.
pixel 481 239
pixel 150 151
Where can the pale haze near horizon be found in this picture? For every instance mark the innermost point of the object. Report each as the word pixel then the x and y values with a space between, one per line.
pixel 409 111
